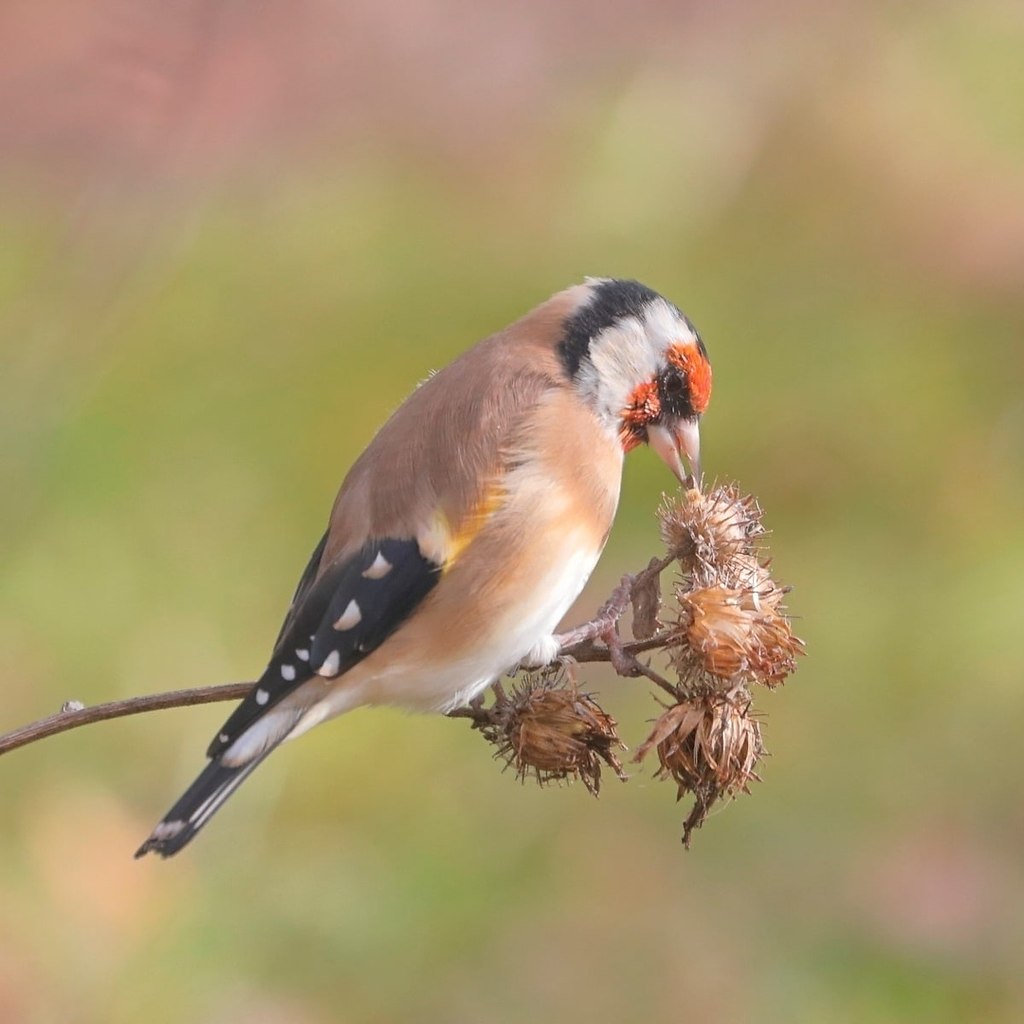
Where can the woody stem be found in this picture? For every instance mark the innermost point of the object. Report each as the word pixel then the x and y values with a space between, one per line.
pixel 596 640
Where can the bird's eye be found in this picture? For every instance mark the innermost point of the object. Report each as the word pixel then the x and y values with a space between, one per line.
pixel 672 383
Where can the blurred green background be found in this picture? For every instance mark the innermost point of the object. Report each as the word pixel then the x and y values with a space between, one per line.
pixel 235 236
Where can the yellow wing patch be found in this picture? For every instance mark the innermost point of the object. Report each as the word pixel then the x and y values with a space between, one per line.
pixel 459 536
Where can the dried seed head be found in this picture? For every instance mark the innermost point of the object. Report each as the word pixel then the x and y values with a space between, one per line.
pixel 710 746
pixel 552 731
pixel 733 636
pixel 727 631
pixel 706 531
pixel 746 573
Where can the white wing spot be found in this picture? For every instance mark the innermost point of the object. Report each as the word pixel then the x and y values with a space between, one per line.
pixel 168 829
pixel 380 568
pixel 262 697
pixel 352 616
pixel 302 654
pixel 330 666
pixel 288 672
pixel 223 737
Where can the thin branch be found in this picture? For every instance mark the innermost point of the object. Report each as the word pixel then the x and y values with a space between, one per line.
pixel 596 640
pixel 590 650
pixel 75 715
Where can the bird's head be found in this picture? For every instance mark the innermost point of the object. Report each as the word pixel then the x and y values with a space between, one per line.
pixel 639 363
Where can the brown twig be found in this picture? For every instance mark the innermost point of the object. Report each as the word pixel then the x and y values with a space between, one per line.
pixel 590 650
pixel 593 641
pixel 75 715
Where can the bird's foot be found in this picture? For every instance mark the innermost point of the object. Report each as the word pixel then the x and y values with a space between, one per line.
pixel 480 716
pixel 607 617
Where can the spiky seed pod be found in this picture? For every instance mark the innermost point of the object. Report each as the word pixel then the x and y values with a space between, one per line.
pixel 706 531
pixel 747 573
pixel 732 636
pixel 552 731
pixel 709 746
pixel 730 631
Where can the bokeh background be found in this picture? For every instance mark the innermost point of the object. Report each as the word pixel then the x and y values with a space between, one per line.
pixel 233 238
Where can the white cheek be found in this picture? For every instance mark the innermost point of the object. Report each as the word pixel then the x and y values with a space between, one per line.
pixel 626 355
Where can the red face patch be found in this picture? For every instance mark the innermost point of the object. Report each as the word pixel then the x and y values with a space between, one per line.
pixel 643 407
pixel 695 366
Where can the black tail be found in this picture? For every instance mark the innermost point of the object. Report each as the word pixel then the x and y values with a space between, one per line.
pixel 197 805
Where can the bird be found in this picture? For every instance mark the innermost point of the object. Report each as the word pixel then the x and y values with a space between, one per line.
pixel 471 522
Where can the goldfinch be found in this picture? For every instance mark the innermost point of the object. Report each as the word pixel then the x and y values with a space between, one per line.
pixel 470 524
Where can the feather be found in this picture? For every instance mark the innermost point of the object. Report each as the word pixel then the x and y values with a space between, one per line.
pixel 344 616
pixel 197 805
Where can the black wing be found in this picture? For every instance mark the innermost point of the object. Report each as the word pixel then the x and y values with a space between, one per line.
pixel 336 622
pixel 305 582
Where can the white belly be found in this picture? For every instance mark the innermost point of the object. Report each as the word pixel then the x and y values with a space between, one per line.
pixel 515 637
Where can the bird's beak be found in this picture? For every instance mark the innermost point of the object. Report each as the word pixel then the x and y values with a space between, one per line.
pixel 682 438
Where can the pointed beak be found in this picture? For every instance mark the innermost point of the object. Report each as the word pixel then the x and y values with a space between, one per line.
pixel 682 438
